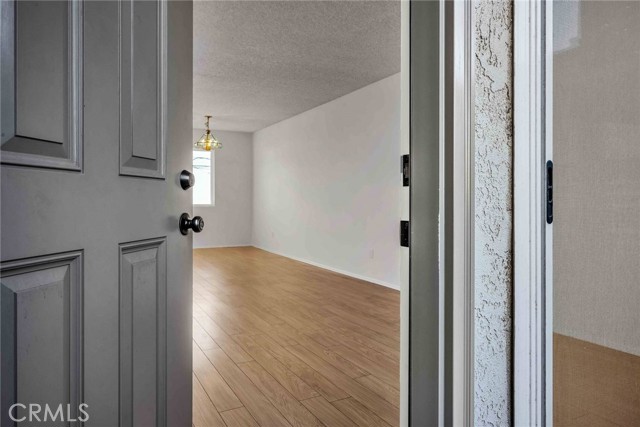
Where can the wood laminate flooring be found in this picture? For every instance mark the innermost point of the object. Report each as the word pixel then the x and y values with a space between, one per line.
pixel 594 386
pixel 282 343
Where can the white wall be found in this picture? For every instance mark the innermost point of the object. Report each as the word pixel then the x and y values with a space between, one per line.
pixel 327 184
pixel 228 223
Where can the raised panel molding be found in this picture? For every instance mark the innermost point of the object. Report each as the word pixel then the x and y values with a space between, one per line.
pixel 37 150
pixel 143 46
pixel 41 316
pixel 143 348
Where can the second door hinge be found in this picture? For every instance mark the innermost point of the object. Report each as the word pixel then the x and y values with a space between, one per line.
pixel 405 166
pixel 404 234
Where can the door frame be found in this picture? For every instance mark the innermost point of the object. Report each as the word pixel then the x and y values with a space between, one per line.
pixel 459 208
pixel 425 384
pixel 533 268
pixel 437 350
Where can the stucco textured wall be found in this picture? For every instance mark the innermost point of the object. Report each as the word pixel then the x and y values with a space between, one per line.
pixel 493 210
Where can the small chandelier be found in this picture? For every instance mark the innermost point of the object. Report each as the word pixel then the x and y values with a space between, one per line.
pixel 207 141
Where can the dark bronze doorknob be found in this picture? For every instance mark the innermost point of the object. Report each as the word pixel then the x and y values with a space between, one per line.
pixel 196 224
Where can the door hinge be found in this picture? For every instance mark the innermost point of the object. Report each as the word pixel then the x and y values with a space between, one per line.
pixel 549 196
pixel 404 234
pixel 405 169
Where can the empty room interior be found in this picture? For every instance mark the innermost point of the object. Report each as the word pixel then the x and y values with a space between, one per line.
pixel 205 208
pixel 297 164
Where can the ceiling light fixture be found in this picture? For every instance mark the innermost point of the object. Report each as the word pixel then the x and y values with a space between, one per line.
pixel 207 141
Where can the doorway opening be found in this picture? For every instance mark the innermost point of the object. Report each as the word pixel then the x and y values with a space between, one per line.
pixel 297 273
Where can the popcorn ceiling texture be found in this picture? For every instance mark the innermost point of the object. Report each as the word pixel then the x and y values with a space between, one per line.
pixel 256 63
pixel 493 211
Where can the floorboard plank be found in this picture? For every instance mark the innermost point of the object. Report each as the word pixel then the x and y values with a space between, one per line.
pixel 332 357
pixel 293 411
pixel 204 413
pixel 239 418
pixel 327 413
pixel 224 341
pixel 386 370
pixel 382 389
pixel 219 392
pixel 289 380
pixel 358 413
pixel 309 375
pixel 256 403
pixel 371 400
pixel 202 338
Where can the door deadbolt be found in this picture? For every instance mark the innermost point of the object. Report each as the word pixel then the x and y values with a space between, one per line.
pixel 187 179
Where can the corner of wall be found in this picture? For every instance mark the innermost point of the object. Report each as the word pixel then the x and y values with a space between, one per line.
pixel 253 188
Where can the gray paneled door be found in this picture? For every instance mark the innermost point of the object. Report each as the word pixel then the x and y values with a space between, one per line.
pixel 96 276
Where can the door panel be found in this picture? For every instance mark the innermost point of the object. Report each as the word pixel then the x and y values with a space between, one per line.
pixel 41 70
pixel 596 236
pixel 143 301
pixel 142 88
pixel 41 331
pixel 134 265
pixel 42 84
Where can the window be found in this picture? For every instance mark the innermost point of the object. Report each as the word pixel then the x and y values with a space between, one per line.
pixel 203 171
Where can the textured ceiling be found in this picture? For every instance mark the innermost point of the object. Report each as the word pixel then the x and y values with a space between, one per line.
pixel 257 63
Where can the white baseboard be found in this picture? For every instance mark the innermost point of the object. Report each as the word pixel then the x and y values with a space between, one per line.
pixel 335 270
pixel 246 245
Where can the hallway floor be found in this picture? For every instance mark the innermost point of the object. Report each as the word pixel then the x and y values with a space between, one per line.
pixel 278 342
